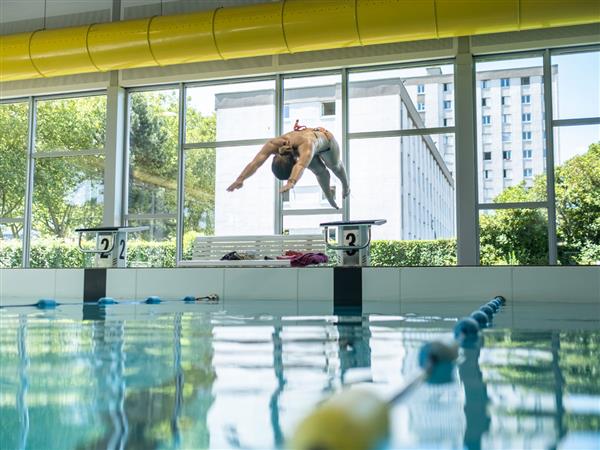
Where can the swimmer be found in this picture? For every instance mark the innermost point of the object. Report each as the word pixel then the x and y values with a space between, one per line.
pixel 304 148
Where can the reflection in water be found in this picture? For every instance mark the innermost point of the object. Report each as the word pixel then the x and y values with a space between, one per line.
pixel 476 398
pixel 193 381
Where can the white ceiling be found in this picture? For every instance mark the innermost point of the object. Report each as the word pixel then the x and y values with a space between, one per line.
pixel 18 16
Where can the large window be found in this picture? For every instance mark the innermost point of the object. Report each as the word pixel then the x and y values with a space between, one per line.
pixel 576 108
pixel 537 157
pixel 397 173
pixel 305 206
pixel 13 170
pixel 505 176
pixel 152 168
pixel 226 125
pixel 68 173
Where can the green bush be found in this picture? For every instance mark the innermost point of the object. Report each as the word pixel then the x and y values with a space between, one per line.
pixel 441 252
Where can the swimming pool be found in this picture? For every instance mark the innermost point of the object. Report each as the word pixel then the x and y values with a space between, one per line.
pixel 155 378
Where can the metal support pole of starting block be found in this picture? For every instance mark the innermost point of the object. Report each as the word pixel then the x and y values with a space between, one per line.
pixel 111 244
pixel 354 241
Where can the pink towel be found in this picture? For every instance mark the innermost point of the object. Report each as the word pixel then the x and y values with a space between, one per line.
pixel 298 259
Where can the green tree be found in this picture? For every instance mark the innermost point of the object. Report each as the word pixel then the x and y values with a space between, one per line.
pixel 515 236
pixel 578 199
pixel 519 236
pixel 13 162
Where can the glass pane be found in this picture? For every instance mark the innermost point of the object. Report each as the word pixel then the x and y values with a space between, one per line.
pixel 517 237
pixel 211 209
pixel 68 193
pixel 577 188
pixel 307 194
pixel 510 129
pixel 228 112
pixel 576 85
pixel 199 192
pixel 153 152
pixel 13 159
pixel 401 98
pixel 71 124
pixel 11 245
pixel 314 102
pixel 155 247
pixel 308 224
pixel 400 179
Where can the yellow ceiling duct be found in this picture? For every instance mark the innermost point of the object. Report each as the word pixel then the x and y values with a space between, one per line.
pixel 287 26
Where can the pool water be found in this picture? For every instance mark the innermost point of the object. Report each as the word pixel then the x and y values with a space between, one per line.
pixel 195 380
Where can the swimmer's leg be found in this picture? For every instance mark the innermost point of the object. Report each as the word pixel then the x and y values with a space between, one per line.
pixel 333 161
pixel 317 167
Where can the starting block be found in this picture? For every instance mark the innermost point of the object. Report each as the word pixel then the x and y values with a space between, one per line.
pixel 111 244
pixel 354 240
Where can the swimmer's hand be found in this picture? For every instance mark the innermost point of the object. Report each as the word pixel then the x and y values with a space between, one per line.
pixel 237 184
pixel 289 185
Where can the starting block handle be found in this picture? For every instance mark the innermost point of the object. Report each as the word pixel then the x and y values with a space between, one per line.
pixel 346 247
pixel 95 251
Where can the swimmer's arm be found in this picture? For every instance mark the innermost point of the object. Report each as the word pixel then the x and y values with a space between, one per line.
pixel 306 153
pixel 267 150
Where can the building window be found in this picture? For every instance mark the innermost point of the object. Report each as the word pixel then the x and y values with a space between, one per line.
pixel 447 104
pixel 420 88
pixel 506 137
pixel 527 173
pixel 506 155
pixel 505 82
pixel 486 120
pixel 448 122
pixel 487 174
pixel 328 109
pixel 505 100
pixel 526 117
pixel 527 154
pixel 485 84
pixel 286 111
pixel 526 135
pixel 525 81
pixel 485 101
pixel 507 174
pixel 487 156
pixel 526 99
pixel 447 87
pixel 505 118
pixel 420 106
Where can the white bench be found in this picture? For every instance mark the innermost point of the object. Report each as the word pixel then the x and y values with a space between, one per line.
pixel 208 250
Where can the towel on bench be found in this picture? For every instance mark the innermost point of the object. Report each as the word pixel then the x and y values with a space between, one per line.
pixel 298 259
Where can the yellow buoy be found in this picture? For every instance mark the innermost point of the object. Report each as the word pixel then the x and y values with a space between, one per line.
pixel 355 419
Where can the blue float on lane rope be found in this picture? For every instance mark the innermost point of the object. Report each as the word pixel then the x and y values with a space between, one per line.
pixel 46 303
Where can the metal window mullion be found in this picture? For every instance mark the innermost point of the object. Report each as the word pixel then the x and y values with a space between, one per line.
pixel 345 140
pixel 180 173
pixel 217 144
pixel 11 220
pixel 512 205
pixel 31 124
pixel 126 148
pixel 550 187
pixel 575 122
pixel 158 216
pixel 277 216
pixel 467 217
pixel 405 132
pixel 310 211
pixel 69 95
pixel 68 153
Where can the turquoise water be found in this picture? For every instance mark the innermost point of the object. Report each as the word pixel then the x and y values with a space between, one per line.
pixel 190 380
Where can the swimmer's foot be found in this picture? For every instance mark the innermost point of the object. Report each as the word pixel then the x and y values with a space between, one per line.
pixel 346 193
